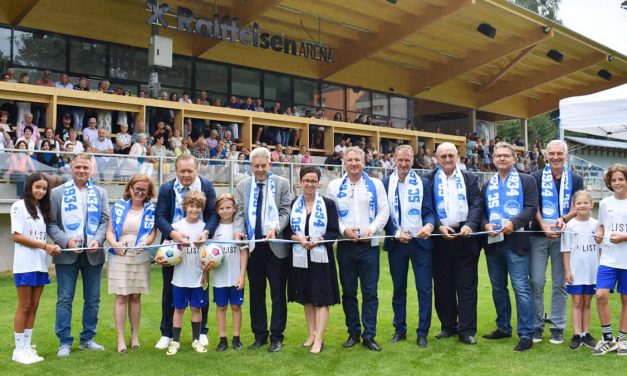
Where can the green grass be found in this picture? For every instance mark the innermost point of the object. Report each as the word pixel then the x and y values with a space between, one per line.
pixel 441 357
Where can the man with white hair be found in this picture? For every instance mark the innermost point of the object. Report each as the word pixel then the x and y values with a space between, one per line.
pixel 556 187
pixel 263 207
pixel 363 211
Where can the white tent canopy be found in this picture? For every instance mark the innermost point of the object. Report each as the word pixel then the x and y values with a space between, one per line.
pixel 601 114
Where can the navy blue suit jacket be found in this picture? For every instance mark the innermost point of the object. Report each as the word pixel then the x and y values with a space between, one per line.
pixel 165 208
pixel 390 244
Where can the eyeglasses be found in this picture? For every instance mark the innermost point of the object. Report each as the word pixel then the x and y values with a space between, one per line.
pixel 497 156
pixel 448 156
pixel 140 191
pixel 312 182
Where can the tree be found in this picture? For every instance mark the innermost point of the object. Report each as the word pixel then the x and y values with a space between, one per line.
pixel 545 8
pixel 540 128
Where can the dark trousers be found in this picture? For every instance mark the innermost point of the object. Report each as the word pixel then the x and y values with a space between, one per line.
pixel 167 310
pixel 359 263
pixel 264 266
pixel 455 284
pixel 420 258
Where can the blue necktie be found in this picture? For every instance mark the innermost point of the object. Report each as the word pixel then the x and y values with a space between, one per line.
pixel 258 229
pixel 185 191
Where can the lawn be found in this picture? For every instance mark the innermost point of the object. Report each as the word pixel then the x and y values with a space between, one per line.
pixel 441 357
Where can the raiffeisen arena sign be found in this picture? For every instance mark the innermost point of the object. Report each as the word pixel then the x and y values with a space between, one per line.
pixel 227 29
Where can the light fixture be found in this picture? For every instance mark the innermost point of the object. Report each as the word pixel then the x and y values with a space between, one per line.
pixel 392 1
pixel 555 55
pixel 546 29
pixel 486 30
pixel 604 74
pixel 610 57
pixel 624 5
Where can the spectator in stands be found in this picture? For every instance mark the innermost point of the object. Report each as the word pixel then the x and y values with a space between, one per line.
pixel 289 156
pixel 49 136
pixel 320 114
pixel 123 141
pixel 259 105
pixel 140 128
pixel 62 132
pixel 104 116
pixel 201 151
pixel 165 130
pixel 78 113
pixel 140 150
pixel 369 120
pixel 202 98
pixel 277 154
pixel 471 164
pixel 176 140
pixel 316 136
pixel 49 159
pixel 20 165
pixel 212 140
pixel 360 119
pixel 46 79
pixel 10 73
pixel 158 149
pixel 64 82
pixel 91 132
pixel 77 146
pixel 28 122
pixel 249 105
pixel 305 158
pixel 5 126
pixel 371 149
pixel 174 97
pixel 28 138
pixel 217 102
pixel 219 152
pixel 288 111
pixel 183 149
pixel 103 145
pixel 185 98
pixel 6 142
pixel 334 160
pixel 228 140
pixel 337 116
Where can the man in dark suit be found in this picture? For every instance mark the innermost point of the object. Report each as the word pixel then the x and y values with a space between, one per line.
pixel 72 227
pixel 187 179
pixel 457 203
pixel 507 251
pixel 411 242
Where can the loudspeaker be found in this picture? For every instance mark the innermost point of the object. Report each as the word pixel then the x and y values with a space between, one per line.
pixel 555 55
pixel 604 74
pixel 486 30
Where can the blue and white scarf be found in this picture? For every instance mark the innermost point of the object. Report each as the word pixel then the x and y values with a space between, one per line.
pixel 551 200
pixel 317 228
pixel 505 200
pixel 442 203
pixel 178 198
pixel 72 211
pixel 270 217
pixel 412 208
pixel 343 200
pixel 118 216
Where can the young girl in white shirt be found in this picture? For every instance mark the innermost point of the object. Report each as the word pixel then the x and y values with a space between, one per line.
pixel 230 278
pixel 581 261
pixel 30 263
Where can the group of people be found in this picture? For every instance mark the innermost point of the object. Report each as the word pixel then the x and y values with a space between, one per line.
pixel 438 222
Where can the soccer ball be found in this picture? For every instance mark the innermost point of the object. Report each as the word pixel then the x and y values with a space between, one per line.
pixel 171 253
pixel 211 254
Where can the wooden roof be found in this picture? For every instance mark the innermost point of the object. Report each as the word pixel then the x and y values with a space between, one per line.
pixel 428 49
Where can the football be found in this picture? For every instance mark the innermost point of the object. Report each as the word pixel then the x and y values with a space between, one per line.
pixel 171 253
pixel 211 254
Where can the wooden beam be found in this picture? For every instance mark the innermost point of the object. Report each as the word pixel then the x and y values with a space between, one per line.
pixel 509 89
pixel 20 9
pixel 353 52
pixel 246 12
pixel 439 75
pixel 508 67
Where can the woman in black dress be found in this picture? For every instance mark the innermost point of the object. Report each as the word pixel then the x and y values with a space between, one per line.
pixel 312 278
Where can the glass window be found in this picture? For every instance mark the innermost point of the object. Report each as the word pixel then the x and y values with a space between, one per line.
pixel 332 96
pixel 380 104
pixel 39 50
pixel 277 88
pixel 128 63
pixel 87 58
pixel 398 107
pixel 245 83
pixel 358 100
pixel 5 48
pixel 306 92
pixel 179 75
pixel 212 77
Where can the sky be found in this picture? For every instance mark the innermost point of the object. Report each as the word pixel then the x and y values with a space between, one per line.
pixel 603 21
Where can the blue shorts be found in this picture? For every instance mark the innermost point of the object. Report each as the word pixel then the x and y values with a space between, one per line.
pixel 581 289
pixel 31 279
pixel 609 277
pixel 182 297
pixel 222 296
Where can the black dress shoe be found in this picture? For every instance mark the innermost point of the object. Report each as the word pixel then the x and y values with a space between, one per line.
pixel 445 334
pixel 222 346
pixel 237 344
pixel 371 344
pixel 467 339
pixel 257 344
pixel 422 341
pixel 523 345
pixel 351 341
pixel 497 334
pixel 275 346
pixel 398 337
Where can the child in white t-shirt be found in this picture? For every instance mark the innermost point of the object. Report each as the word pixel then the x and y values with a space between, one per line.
pixel 30 261
pixel 612 273
pixel 230 278
pixel 581 261
pixel 188 276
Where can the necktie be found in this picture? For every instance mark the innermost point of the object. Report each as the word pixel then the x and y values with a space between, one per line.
pixel 185 191
pixel 258 229
pixel 400 209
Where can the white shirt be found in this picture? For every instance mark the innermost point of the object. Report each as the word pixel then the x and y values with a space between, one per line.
pixel 189 272
pixel 59 85
pixel 78 146
pixel 613 217
pixel 27 259
pixel 90 135
pixel 359 205
pixel 340 148
pixel 452 210
pixel 103 145
pixel 228 273
pixel 578 239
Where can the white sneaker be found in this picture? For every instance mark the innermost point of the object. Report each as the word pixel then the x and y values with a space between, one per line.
pixel 33 353
pixel 204 340
pixel 163 343
pixel 22 356
pixel 622 348
pixel 173 348
pixel 198 347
